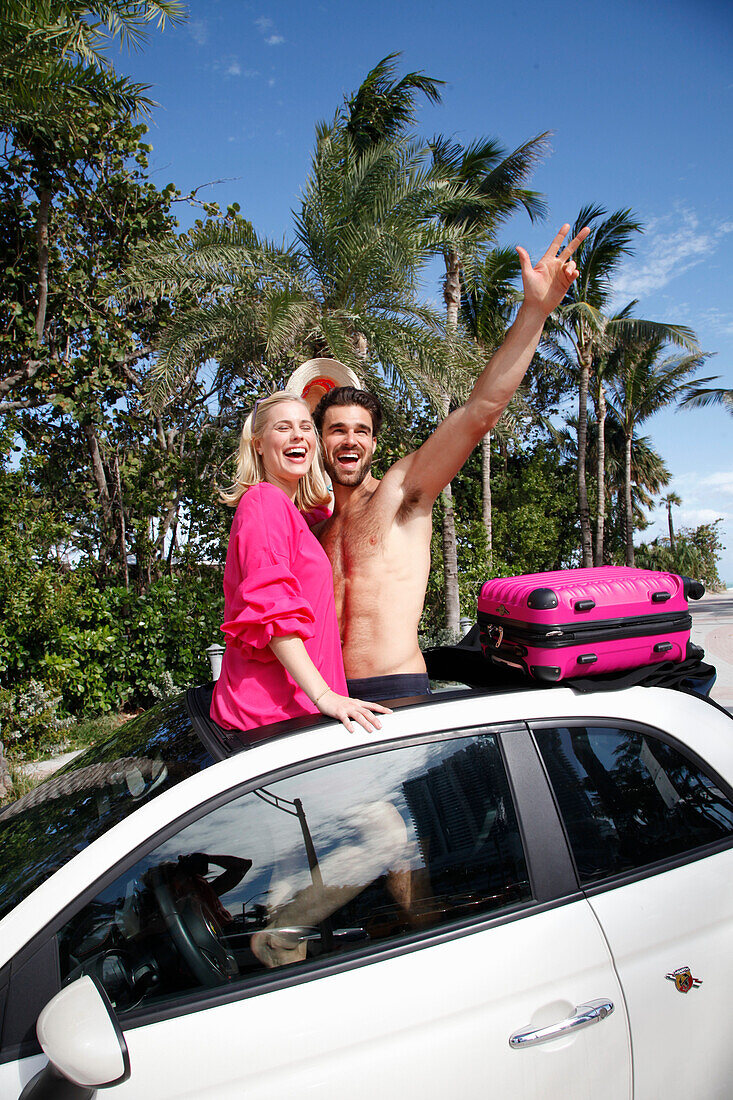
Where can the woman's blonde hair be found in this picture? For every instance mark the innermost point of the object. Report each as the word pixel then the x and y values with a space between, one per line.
pixel 312 489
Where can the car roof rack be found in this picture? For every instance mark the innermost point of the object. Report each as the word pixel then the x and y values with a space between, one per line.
pixel 465 663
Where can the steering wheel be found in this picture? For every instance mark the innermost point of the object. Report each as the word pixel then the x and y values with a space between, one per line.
pixel 195 932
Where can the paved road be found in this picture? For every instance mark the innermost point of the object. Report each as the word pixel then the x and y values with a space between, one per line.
pixel 712 628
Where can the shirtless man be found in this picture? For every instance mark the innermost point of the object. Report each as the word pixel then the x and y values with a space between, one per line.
pixel 378 538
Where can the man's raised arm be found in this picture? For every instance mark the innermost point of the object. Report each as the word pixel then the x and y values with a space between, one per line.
pixel 440 458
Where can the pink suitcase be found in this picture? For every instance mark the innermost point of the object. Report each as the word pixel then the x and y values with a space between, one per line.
pixel 581 622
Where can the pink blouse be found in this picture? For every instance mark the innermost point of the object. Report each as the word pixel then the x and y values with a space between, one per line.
pixel 277 581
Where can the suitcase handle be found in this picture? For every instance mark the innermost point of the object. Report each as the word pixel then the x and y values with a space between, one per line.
pixel 694 590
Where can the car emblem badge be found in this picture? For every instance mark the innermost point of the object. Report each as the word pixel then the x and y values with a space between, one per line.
pixel 501 610
pixel 683 979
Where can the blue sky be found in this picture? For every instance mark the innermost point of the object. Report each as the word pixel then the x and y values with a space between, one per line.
pixel 638 96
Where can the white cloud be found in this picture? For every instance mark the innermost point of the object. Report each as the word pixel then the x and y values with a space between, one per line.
pixel 199 32
pixel 693 517
pixel 232 67
pixel 695 485
pixel 672 245
pixel 264 26
pixel 717 320
pixel 719 482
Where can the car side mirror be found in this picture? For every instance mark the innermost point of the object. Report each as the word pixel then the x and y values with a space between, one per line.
pixel 79 1033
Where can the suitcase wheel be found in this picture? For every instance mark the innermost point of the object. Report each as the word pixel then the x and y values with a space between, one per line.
pixel 548 673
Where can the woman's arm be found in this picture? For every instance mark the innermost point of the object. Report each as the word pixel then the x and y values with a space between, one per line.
pixel 293 656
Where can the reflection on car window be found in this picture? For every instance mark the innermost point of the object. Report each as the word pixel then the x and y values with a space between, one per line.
pixel 46 827
pixel 628 799
pixel 321 863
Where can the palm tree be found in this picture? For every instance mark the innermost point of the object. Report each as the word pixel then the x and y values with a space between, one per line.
pixel 383 108
pixel 491 184
pixel 52 56
pixel 670 500
pixel 346 287
pixel 582 319
pixel 649 473
pixel 488 302
pixel 644 384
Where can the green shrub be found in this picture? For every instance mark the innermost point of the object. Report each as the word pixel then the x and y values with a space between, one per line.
pixel 696 554
pixel 100 649
pixel 29 719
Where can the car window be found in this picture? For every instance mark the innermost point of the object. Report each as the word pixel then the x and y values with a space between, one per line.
pixel 628 799
pixel 45 828
pixel 321 863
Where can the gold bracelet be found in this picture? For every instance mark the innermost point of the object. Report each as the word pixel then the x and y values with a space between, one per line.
pixel 317 701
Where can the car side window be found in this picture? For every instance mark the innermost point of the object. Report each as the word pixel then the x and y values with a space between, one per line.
pixel 628 799
pixel 315 865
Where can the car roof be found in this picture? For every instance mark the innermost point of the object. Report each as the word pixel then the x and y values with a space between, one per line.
pixel 465 672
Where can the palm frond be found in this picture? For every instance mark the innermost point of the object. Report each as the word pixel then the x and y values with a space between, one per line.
pixel 383 107
pixel 701 397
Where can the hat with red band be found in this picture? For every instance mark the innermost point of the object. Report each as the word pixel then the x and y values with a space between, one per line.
pixel 316 377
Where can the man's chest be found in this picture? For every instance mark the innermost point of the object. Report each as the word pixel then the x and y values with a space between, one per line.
pixel 352 541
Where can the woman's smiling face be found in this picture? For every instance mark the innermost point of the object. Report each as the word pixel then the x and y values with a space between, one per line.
pixel 287 445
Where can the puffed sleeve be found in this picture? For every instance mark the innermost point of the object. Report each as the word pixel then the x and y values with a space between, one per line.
pixel 264 598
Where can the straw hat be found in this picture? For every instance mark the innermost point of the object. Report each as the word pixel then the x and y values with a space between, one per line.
pixel 316 377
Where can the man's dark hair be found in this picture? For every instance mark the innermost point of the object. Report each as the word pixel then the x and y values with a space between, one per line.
pixel 349 395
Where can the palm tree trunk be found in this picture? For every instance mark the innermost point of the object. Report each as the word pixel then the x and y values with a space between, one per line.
pixel 629 505
pixel 452 297
pixel 486 495
pixel 450 565
pixel 601 475
pixel 452 289
pixel 586 544
pixel 105 500
pixel 44 210
pixel 450 553
pixel 671 527
pixel 123 532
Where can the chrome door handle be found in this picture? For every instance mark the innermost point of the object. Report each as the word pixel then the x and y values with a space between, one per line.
pixel 592 1012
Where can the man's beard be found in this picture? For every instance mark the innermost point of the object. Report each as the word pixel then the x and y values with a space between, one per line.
pixel 352 477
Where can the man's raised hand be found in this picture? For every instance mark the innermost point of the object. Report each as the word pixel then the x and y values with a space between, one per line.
pixel 547 283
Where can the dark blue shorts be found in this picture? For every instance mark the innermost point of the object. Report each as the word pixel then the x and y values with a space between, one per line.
pixel 375 689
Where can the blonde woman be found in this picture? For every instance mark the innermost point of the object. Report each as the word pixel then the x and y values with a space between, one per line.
pixel 283 653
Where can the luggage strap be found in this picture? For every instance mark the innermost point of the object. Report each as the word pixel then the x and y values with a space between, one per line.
pixel 690 674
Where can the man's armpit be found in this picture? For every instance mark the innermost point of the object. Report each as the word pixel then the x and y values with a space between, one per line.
pixel 411 498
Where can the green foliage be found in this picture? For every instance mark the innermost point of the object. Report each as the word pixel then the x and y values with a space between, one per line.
pixel 53 63
pixel 104 648
pixel 29 718
pixel 535 522
pixel 696 554
pixel 534 526
pixel 97 647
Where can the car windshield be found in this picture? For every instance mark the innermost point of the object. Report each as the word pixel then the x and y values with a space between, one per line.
pixel 45 828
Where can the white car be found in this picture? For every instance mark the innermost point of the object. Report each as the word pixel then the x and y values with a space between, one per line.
pixel 521 893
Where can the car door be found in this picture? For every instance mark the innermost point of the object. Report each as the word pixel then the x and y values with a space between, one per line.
pixel 380 922
pixel 651 827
